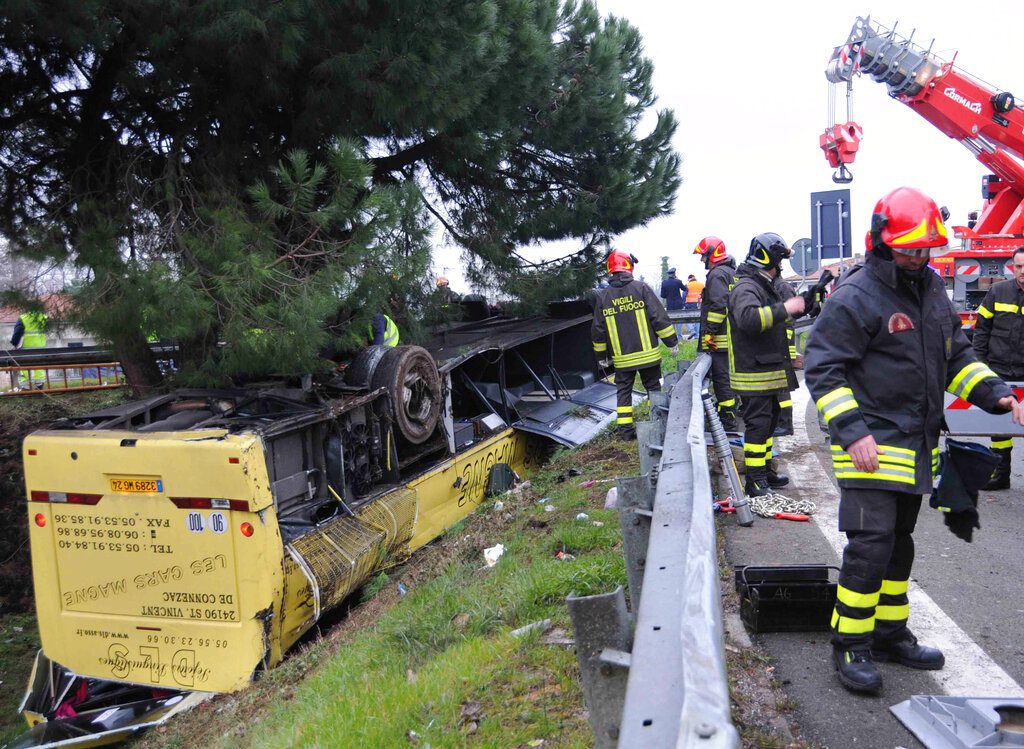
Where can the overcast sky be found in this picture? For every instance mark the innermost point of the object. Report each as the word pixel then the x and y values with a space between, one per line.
pixel 746 81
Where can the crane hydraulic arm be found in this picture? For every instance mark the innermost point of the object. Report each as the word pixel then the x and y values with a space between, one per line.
pixel 986 121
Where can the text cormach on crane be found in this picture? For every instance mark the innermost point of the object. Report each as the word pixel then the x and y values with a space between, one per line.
pixel 986 121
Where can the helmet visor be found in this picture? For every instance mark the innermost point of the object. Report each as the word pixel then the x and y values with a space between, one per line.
pixel 923 251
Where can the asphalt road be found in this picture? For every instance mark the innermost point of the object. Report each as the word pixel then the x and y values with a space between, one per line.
pixel 979 586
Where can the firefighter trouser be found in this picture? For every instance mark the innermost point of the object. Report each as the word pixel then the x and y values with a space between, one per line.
pixel 649 376
pixel 786 411
pixel 871 601
pixel 1002 442
pixel 760 417
pixel 724 395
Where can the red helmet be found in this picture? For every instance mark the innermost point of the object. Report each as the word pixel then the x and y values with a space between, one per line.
pixel 619 262
pixel 712 250
pixel 908 221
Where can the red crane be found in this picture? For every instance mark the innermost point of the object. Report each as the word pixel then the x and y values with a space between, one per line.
pixel 984 119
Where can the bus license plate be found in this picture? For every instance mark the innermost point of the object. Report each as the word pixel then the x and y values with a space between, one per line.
pixel 136 486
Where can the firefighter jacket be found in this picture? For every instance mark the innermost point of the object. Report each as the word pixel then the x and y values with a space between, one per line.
pixel 999 332
pixel 714 305
pixel 630 319
pixel 878 359
pixel 758 349
pixel 786 291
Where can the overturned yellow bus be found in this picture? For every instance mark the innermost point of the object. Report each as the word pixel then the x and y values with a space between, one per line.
pixel 186 541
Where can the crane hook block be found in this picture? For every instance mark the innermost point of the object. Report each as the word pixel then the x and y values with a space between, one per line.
pixel 842 175
pixel 840 144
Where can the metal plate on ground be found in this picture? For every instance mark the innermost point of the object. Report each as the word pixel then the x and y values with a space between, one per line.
pixel 963 722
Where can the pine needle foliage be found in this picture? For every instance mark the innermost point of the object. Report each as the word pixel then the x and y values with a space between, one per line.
pixel 180 152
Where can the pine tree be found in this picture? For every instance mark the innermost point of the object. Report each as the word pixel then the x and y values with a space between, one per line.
pixel 134 132
pixel 664 267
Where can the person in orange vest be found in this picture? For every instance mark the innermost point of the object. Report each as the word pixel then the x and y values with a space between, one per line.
pixel 694 289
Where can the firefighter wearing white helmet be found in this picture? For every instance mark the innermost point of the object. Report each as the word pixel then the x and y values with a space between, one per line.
pixel 629 321
pixel 879 357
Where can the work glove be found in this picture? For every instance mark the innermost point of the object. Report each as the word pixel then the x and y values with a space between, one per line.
pixel 674 350
pixel 963 523
pixel 709 342
pixel 605 363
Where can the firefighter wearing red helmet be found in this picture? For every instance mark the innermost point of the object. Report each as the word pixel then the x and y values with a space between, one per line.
pixel 760 370
pixel 714 337
pixel 879 357
pixel 629 321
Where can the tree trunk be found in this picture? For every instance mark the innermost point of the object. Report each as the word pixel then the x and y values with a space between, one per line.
pixel 139 365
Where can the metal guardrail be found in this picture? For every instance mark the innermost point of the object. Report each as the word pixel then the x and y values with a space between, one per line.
pixel 663 684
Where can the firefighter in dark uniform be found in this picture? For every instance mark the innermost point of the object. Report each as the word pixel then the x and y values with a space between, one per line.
pixel 759 365
pixel 629 320
pixel 999 342
pixel 714 336
pixel 785 427
pixel 879 357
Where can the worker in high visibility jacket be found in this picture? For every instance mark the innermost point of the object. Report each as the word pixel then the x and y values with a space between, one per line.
pixel 879 357
pixel 999 342
pixel 694 289
pixel 759 367
pixel 30 332
pixel 714 335
pixel 382 331
pixel 785 427
pixel 629 322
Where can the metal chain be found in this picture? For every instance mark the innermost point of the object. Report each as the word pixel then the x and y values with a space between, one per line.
pixel 767 506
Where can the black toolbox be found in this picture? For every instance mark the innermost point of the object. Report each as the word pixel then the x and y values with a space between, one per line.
pixel 787 598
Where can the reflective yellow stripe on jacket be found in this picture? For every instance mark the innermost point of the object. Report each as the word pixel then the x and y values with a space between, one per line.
pixel 965 380
pixel 758 382
pixel 836 402
pixel 648 354
pixel 894 464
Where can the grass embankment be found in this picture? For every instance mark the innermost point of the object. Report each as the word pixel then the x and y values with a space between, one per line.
pixel 438 666
pixel 19 638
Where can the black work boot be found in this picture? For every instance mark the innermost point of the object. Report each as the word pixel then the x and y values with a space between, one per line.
pixel 908 652
pixel 626 434
pixel 857 672
pixel 1001 475
pixel 785 427
pixel 753 488
pixel 776 480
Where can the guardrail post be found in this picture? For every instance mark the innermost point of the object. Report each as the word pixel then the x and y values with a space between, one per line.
pixel 601 628
pixel 636 507
pixel 659 404
pixel 648 440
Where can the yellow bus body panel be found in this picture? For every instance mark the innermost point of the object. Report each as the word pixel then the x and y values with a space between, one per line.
pixel 454 489
pixel 136 589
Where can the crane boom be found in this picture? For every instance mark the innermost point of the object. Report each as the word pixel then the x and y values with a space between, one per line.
pixel 986 121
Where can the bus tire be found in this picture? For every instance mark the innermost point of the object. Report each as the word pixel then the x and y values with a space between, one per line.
pixel 410 375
